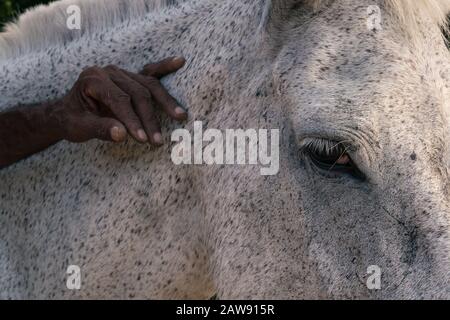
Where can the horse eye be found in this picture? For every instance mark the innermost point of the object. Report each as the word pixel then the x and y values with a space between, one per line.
pixel 343 159
pixel 329 159
pixel 334 159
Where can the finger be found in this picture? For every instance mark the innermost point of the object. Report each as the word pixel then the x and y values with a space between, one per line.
pixel 142 103
pixel 164 67
pixel 150 121
pixel 160 96
pixel 107 93
pixel 106 129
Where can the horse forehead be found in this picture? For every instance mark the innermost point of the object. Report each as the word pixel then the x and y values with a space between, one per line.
pixel 347 81
pixel 367 111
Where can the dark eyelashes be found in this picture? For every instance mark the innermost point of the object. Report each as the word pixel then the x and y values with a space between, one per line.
pixel 331 157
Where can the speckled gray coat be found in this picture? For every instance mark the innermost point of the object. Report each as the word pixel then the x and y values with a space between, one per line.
pixel 140 227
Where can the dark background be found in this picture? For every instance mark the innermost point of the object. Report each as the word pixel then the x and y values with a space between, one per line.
pixel 11 8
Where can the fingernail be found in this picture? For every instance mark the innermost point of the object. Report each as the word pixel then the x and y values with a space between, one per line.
pixel 142 135
pixel 180 111
pixel 116 134
pixel 178 59
pixel 157 138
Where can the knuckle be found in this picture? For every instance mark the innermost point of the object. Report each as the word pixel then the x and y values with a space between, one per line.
pixel 151 82
pixel 142 106
pixel 90 71
pixel 111 67
pixel 148 66
pixel 89 80
pixel 138 92
pixel 148 69
pixel 147 112
pixel 127 117
pixel 151 118
pixel 90 85
pixel 87 85
pixel 133 123
pixel 123 99
pixel 144 97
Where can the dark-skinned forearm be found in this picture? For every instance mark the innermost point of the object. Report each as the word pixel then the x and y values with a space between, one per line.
pixel 26 130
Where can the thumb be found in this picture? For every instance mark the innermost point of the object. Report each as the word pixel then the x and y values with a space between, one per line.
pixel 106 129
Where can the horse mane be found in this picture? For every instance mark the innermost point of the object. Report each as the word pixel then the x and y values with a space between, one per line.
pixel 45 25
pixel 410 12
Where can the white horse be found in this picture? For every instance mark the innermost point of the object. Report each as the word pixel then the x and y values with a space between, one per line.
pixel 360 207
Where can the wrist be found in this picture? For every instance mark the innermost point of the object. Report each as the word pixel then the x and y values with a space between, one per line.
pixel 55 117
pixel 25 130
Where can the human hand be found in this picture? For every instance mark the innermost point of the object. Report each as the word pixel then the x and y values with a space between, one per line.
pixel 107 103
